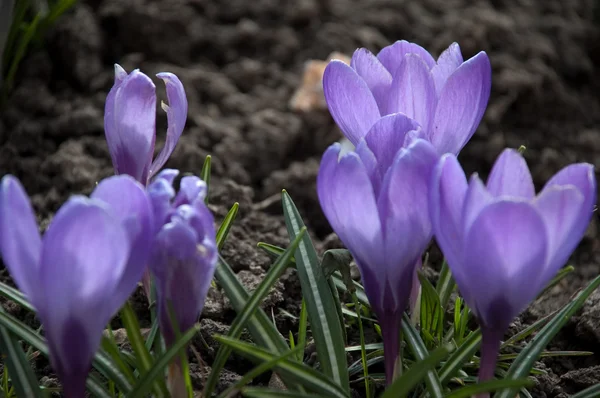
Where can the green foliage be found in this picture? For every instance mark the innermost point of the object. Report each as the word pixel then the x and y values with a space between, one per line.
pixel 23 25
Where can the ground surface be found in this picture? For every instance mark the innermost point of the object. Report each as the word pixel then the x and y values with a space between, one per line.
pixel 241 61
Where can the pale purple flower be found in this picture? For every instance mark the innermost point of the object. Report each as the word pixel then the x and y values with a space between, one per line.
pixel 376 200
pixel 130 122
pixel 84 268
pixel 184 253
pixel 501 241
pixel 446 97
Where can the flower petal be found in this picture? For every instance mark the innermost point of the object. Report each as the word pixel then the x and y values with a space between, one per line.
pixel 129 202
pixel 368 159
pixel 349 100
pixel 348 201
pixel 130 125
pixel 20 241
pixel 176 117
pixel 191 189
pixel 392 56
pixel 476 199
pixel 580 175
pixel 83 257
pixel 510 176
pixel 413 92
pixel 387 137
pixel 404 213
pixel 446 198
pixel 505 252
pixel 566 216
pixel 447 63
pixel 461 104
pixel 376 76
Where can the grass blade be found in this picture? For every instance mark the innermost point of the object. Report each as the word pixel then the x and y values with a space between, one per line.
pixel 590 392
pixel 261 392
pixel 320 304
pixel 205 175
pixel 247 312
pixel 308 377
pixel 432 315
pixel 445 285
pixel 522 365
pixel 464 353
pixel 405 383
pixel 489 386
pixel 156 372
pixel 223 230
pixel 23 379
pixel 302 327
pixel 419 350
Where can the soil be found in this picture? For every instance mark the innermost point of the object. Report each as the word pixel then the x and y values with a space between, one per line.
pixel 241 62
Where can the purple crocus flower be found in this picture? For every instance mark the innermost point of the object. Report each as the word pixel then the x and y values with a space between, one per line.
pixel 130 122
pixel 184 254
pixel 376 200
pixel 84 268
pixel 447 98
pixel 502 242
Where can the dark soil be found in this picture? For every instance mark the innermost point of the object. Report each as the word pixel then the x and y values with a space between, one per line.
pixel 241 61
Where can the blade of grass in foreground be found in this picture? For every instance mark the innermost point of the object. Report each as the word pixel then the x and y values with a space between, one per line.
pixel 248 311
pixel 489 386
pixel 320 304
pixel 309 378
pixel 261 392
pixel 522 365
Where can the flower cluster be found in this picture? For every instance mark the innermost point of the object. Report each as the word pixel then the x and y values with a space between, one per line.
pixel 408 116
pixel 96 249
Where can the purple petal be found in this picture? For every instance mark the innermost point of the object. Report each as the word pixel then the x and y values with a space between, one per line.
pixel 392 56
pixel 84 254
pixel 461 104
pixel 505 252
pixel 167 174
pixel 413 91
pixel 446 198
pixel 129 202
pixel 20 242
pixel 580 175
pixel 510 176
pixel 129 124
pixel 176 116
pixel 369 160
pixel 349 100
pixel 566 216
pixel 387 137
pixel 348 201
pixel 404 213
pixel 476 199
pixel 447 63
pixel 161 192
pixel 191 189
pixel 376 76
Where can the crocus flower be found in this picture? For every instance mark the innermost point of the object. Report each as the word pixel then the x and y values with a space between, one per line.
pixel 501 241
pixel 446 97
pixel 130 122
pixel 376 200
pixel 84 268
pixel 184 254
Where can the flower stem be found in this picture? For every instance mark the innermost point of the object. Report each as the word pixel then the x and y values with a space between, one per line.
pixel 390 324
pixel 490 346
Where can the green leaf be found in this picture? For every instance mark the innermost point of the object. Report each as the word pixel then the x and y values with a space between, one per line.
pixel 404 384
pixel 111 349
pixel 559 276
pixel 156 372
pixel 489 386
pixel 457 359
pixel 22 377
pixel 247 312
pixel 13 294
pixel 257 371
pixel 205 175
pixel 432 315
pixel 522 365
pixel 445 285
pixel 226 225
pixel 528 330
pixel 320 303
pixel 134 335
pixel 419 350
pixel 302 327
pixel 301 373
pixel 261 392
pixel 590 392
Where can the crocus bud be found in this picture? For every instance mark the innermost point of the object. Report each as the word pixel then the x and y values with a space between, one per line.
pixel 84 268
pixel 184 252
pixel 130 122
pixel 447 98
pixel 376 200
pixel 501 241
